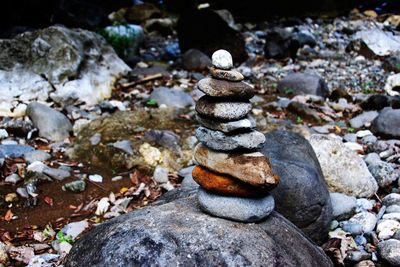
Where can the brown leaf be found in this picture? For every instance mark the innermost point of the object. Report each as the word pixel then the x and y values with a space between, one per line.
pixel 9 215
pixel 48 200
pixel 134 178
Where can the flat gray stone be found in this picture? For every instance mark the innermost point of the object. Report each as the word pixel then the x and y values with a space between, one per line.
pixel 36 155
pixel 14 151
pixel 227 75
pixel 219 141
pixel 221 88
pixel 228 126
pixel 214 108
pixel 236 208
pixel 52 124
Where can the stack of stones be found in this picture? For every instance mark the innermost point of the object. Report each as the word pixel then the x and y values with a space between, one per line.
pixel 235 179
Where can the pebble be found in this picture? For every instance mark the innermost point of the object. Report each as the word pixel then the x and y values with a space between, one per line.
pixel 13 178
pixel 384 173
pixel 343 206
pixel 3 134
pixel 236 208
pixel 58 174
pixel 364 204
pixel 350 137
pixel 228 75
pixel 74 229
pixel 389 251
pixel 220 88
pixel 11 197
pixel 22 192
pixel 222 59
pixel 352 228
pixel 36 155
pixel 364 118
pixel 392 216
pixel 357 256
pixel 4 259
pixel 96 178
pixel 387 228
pixel 223 110
pixel 364 133
pixel 219 141
pixel 391 199
pixel 366 219
pixel 14 151
pixel 75 186
pixel 393 209
pixel 160 175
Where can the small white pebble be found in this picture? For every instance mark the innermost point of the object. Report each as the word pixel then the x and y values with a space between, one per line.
pixel 96 178
pixel 222 59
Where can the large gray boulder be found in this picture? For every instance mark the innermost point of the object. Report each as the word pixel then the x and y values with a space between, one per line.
pixel 63 63
pixel 178 233
pixel 301 195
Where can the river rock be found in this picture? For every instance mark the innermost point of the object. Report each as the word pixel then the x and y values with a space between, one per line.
pixel 246 123
pixel 236 208
pixel 14 151
pixel 226 185
pixel 52 124
pixel 219 141
pixel 252 168
pixel 214 108
pixel 389 250
pixel 151 236
pixel 391 199
pixel 195 60
pixel 384 173
pixel 387 123
pixel 77 63
pixel 303 83
pixel 222 59
pixel 343 206
pixel 227 75
pixel 367 219
pixel 301 195
pixel 344 171
pixel 221 88
pixel 171 97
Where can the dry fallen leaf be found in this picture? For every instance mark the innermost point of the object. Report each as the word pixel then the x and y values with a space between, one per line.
pixel 48 200
pixel 9 215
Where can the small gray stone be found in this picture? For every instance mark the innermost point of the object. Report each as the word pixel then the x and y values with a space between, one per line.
pixel 221 88
pixel 357 256
pixel 228 126
pixel 14 151
pixel 222 59
pixel 124 145
pixel 343 206
pixel 22 192
pixel 52 124
pixel 366 219
pixel 235 208
pixel 350 137
pixel 393 209
pixel 219 141
pixel 160 175
pixel 214 108
pixel 171 97
pixel 384 173
pixel 391 199
pixel 58 174
pixel 13 178
pixel 188 182
pixel 372 158
pixel 75 186
pixel 389 250
pixel 36 155
pixel 364 118
pixel 352 228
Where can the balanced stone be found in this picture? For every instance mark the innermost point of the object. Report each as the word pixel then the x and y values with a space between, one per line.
pixel 224 184
pixel 219 141
pixel 252 168
pixel 228 75
pixel 227 126
pixel 236 208
pixel 222 59
pixel 214 108
pixel 221 88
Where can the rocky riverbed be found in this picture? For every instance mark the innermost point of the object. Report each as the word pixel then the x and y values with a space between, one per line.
pixel 88 135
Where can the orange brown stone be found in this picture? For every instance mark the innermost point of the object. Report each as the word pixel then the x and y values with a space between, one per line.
pixel 225 185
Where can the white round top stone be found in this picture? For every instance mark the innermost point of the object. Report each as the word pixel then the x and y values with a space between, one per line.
pixel 222 59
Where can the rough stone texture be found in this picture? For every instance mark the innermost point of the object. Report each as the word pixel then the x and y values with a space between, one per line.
pixel 301 195
pixel 390 251
pixel 52 124
pixel 228 126
pixel 79 64
pixel 214 108
pixel 227 75
pixel 14 151
pixel 171 97
pixel 365 117
pixel 222 59
pixel 303 83
pixel 195 60
pixel 387 123
pixel 235 208
pixel 252 168
pixel 344 171
pixel 225 185
pixel 219 141
pixel 343 206
pixel 221 88
pixel 366 219
pixel 179 234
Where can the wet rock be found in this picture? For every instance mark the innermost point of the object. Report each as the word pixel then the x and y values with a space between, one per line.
pixel 352 228
pixel 4 258
pixel 301 195
pixel 75 186
pixel 392 63
pixel 96 178
pixel 211 34
pixel 387 123
pixel 36 155
pixel 167 139
pixel 344 171
pixel 221 88
pixel 79 64
pixel 219 109
pixel 392 84
pixel 343 206
pixel 171 97
pixel 205 244
pixel 52 124
pixel 236 208
pixel 303 83
pixel 219 141
pixel 195 60
pixel 124 145
pixel 160 175
pixel 363 119
pixel 366 219
pixel 14 151
pixel 389 250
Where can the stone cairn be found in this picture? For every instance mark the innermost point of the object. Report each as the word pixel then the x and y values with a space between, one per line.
pixel 235 179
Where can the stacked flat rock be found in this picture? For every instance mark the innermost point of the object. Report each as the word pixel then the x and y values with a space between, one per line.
pixel 235 179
